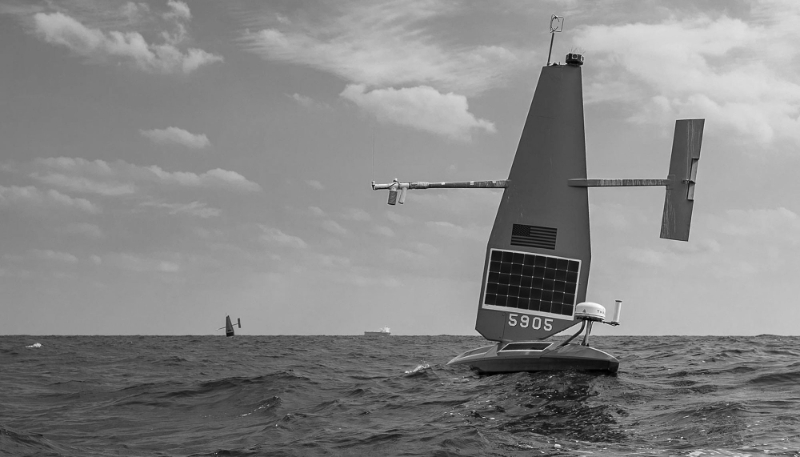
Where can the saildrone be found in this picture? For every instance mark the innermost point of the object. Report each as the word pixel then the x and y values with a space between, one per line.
pixel 229 326
pixel 536 267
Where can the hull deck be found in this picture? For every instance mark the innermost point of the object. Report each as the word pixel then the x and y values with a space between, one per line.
pixel 536 356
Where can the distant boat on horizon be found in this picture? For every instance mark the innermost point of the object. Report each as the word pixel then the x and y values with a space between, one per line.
pixel 382 332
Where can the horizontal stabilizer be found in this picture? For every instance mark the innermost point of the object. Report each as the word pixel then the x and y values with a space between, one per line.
pixel 679 201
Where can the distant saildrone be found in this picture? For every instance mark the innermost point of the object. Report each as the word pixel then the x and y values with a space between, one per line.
pixel 229 326
pixel 537 260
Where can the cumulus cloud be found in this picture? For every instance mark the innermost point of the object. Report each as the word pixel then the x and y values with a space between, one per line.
pixel 178 9
pixel 762 223
pixel 422 107
pixel 138 263
pixel 122 178
pixel 33 197
pixel 128 46
pixel 398 219
pixel 385 44
pixel 50 255
pixel 356 214
pixel 315 184
pixel 334 227
pixel 722 68
pixel 308 102
pixel 175 135
pixel 275 237
pixel 85 229
pixel 196 209
pixel 86 185
pixel 453 231
pixel 383 230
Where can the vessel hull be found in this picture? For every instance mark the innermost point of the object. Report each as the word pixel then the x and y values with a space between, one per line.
pixel 496 359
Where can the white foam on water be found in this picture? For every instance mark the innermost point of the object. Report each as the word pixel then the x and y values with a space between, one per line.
pixel 424 366
pixel 34 345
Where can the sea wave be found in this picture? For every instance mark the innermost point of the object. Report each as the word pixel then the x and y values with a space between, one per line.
pixel 246 396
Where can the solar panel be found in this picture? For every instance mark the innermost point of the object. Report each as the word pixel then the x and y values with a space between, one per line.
pixel 522 281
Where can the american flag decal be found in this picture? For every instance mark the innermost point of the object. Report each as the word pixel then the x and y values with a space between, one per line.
pixel 534 236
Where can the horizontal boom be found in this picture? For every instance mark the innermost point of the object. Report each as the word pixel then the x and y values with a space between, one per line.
pixel 395 186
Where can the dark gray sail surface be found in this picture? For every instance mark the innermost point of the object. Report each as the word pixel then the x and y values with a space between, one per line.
pixel 228 326
pixel 538 255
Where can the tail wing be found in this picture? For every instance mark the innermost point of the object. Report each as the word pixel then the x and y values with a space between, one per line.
pixel 679 200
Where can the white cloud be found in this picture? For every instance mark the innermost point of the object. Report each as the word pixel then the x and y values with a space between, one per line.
pixel 50 255
pixel 398 219
pixel 302 100
pixel 308 102
pixel 315 184
pixel 275 237
pixel 385 44
pixel 63 30
pixel 720 68
pixel 481 202
pixel 422 108
pixel 178 9
pixel 138 263
pixel 420 254
pixel 648 256
pixel 331 261
pixel 31 196
pixel 86 185
pixel 334 227
pixel 86 229
pixel 383 230
pixel 177 136
pixel 195 208
pixel 453 231
pixel 121 178
pixel 134 12
pixel 356 214
pixel 763 223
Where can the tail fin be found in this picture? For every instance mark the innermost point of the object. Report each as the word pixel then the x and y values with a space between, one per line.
pixel 679 201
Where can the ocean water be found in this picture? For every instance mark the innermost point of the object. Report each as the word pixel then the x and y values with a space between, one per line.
pixel 352 395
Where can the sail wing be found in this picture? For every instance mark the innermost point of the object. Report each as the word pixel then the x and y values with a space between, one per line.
pixel 539 251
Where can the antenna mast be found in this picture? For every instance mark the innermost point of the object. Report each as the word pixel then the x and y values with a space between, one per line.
pixel 556 25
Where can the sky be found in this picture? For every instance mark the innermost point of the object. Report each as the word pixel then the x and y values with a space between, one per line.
pixel 164 164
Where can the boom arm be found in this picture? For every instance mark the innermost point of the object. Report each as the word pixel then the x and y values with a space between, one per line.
pixel 396 187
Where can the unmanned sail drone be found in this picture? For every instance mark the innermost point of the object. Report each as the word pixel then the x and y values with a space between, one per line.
pixel 538 255
pixel 229 325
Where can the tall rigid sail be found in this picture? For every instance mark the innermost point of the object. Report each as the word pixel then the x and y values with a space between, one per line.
pixel 229 326
pixel 536 268
pixel 538 255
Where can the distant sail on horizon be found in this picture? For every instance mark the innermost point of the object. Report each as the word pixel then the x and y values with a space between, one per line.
pixel 229 325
